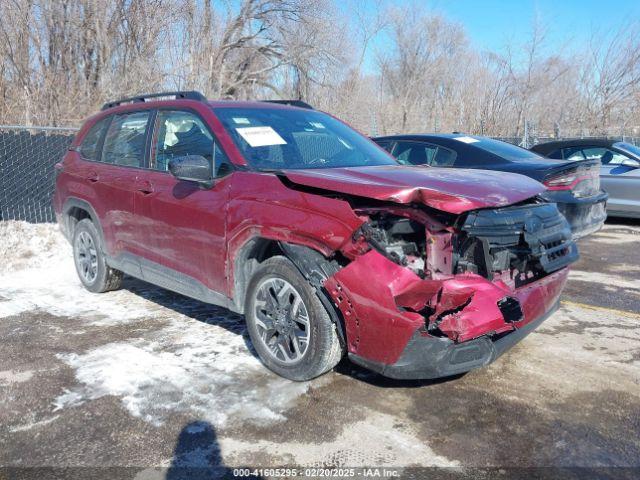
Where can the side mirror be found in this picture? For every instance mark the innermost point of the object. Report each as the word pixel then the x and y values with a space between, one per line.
pixel 628 162
pixel 192 168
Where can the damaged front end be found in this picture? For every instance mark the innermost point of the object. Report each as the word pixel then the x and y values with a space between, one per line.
pixel 426 294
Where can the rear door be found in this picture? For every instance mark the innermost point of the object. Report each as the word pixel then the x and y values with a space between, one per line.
pixel 183 222
pixel 122 157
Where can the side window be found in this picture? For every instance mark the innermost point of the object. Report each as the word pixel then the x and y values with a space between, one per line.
pixel 444 158
pixel 413 153
pixel 572 153
pixel 556 154
pixel 410 153
pixel 609 157
pixel 124 143
pixel 181 133
pixel 91 142
pixel 605 155
pixel 594 153
pixel 388 146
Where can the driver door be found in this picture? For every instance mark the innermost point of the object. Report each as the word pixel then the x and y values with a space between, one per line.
pixel 184 222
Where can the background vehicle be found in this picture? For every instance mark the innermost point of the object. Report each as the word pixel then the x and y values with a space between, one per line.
pixel 573 186
pixel 315 234
pixel 619 172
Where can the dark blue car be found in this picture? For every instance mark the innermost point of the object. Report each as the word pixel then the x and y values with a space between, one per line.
pixel 573 185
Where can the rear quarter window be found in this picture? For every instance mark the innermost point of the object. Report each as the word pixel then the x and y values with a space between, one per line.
pixel 504 150
pixel 89 148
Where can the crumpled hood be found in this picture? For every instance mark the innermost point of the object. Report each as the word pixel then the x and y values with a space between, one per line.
pixel 447 189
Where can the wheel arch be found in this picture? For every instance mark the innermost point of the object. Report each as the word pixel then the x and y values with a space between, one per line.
pixel 311 263
pixel 74 210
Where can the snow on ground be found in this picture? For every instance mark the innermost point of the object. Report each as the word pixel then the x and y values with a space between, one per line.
pixel 196 361
pixel 37 272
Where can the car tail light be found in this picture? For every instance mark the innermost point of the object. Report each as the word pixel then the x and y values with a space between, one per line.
pixel 582 181
pixel 562 182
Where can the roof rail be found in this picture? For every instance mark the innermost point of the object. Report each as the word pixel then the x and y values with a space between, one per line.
pixel 293 103
pixel 187 94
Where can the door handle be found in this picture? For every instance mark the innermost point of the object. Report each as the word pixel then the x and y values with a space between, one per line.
pixel 93 177
pixel 144 187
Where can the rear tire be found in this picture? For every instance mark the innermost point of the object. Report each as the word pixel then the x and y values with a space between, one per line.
pixel 89 258
pixel 288 325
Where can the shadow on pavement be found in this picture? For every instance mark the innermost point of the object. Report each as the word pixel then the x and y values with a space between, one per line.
pixel 189 307
pixel 196 455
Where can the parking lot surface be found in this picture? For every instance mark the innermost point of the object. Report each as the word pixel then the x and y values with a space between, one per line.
pixel 145 378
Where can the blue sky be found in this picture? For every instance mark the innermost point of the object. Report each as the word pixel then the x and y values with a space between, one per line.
pixel 491 24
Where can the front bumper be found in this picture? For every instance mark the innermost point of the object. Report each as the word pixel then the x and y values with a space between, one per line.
pixel 386 333
pixel 427 357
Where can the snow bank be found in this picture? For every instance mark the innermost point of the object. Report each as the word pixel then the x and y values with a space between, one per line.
pixel 27 245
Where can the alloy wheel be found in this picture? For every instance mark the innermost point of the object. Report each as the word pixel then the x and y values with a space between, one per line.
pixel 282 320
pixel 86 257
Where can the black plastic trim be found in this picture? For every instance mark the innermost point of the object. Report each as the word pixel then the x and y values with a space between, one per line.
pixel 181 95
pixel 168 278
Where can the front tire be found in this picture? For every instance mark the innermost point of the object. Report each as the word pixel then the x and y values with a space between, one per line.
pixel 88 255
pixel 288 325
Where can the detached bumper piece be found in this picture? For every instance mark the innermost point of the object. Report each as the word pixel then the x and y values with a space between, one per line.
pixel 427 357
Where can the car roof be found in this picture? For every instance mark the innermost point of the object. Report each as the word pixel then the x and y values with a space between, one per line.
pixel 548 147
pixel 423 136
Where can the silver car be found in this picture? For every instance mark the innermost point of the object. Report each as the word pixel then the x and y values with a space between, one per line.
pixel 619 172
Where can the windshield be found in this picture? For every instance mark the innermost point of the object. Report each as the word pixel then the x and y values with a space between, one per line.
pixel 628 147
pixel 275 138
pixel 504 150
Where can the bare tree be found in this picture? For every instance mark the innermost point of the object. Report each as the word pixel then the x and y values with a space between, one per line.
pixel 384 70
pixel 610 76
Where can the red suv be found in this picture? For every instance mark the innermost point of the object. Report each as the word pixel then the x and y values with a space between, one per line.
pixel 326 245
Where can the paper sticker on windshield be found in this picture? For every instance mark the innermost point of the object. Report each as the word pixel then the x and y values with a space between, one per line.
pixel 242 121
pixel 466 139
pixel 261 136
pixel 317 125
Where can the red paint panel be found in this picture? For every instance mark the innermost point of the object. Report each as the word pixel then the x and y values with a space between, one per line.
pixel 182 226
pixel 480 314
pixel 539 297
pixel 364 291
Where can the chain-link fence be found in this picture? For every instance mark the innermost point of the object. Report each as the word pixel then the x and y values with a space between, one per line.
pixel 27 157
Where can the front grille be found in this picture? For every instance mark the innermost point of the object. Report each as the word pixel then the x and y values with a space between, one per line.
pixel 531 238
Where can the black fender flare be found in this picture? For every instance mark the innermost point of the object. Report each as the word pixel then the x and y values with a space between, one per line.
pixel 316 268
pixel 74 202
